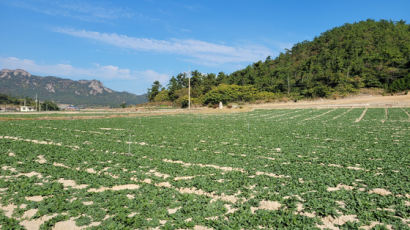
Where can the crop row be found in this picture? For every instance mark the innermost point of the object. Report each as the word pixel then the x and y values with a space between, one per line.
pixel 300 168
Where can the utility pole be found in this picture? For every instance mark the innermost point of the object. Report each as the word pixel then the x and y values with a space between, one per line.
pixel 189 90
pixel 36 103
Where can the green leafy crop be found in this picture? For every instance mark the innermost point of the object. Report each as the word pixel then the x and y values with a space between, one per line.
pixel 275 169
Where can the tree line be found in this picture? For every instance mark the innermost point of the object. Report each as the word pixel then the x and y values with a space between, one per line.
pixel 45 105
pixel 366 54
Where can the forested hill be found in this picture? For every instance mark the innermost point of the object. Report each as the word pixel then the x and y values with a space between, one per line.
pixel 19 83
pixel 367 54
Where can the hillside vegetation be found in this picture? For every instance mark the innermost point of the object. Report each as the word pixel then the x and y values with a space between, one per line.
pixel 367 54
pixel 19 83
pixel 41 105
pixel 6 99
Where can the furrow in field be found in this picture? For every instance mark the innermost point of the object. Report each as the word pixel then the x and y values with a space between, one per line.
pixel 408 115
pixel 267 114
pixel 361 116
pixel 225 168
pixel 281 115
pixel 39 142
pixel 386 115
pixel 341 115
pixel 187 190
pixel 306 113
pixel 290 118
pixel 317 116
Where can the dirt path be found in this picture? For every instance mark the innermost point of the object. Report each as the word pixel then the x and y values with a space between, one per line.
pixel 370 101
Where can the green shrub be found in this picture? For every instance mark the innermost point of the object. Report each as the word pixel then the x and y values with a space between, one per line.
pixel 182 101
pixel 49 106
pixel 399 85
pixel 162 96
pixel 230 93
pixel 319 90
pixel 266 96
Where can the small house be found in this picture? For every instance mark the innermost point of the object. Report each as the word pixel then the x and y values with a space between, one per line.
pixel 26 109
pixel 72 108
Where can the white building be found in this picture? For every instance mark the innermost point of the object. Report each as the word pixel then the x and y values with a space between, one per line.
pixel 26 109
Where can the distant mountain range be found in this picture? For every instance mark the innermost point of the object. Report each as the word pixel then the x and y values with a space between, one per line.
pixel 20 83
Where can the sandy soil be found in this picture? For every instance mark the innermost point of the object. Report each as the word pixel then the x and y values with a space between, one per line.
pixel 267 205
pixel 223 168
pixel 373 224
pixel 115 188
pixel 380 191
pixel 199 227
pixel 371 101
pixel 71 183
pixel 34 198
pixel 340 186
pixel 231 199
pixel 329 222
pixel 173 210
pixel 41 159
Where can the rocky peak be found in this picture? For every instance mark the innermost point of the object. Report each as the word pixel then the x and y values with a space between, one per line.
pixel 50 88
pixel 97 87
pixel 21 72
pixel 7 73
pixel 83 81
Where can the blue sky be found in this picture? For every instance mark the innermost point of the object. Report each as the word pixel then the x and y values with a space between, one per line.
pixel 129 44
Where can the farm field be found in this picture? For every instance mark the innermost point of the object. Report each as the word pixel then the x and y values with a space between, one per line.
pixel 55 114
pixel 341 168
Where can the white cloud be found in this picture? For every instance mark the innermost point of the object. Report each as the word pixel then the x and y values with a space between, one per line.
pixel 152 76
pixel 97 71
pixel 80 10
pixel 200 51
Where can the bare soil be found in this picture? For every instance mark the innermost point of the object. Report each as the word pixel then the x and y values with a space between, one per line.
pixel 370 101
